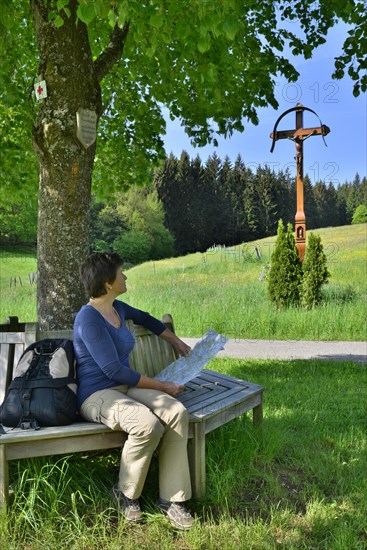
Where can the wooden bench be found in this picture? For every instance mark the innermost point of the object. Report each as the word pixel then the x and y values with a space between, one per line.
pixel 212 399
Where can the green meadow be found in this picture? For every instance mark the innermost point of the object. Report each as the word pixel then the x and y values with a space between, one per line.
pixel 221 289
pixel 300 485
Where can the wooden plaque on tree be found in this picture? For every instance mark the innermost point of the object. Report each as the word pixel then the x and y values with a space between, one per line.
pixel 86 122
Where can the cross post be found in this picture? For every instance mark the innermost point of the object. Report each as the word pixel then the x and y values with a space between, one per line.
pixel 299 135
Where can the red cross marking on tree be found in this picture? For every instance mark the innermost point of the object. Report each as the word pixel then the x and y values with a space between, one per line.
pixel 39 90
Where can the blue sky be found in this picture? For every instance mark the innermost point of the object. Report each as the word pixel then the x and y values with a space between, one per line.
pixel 346 151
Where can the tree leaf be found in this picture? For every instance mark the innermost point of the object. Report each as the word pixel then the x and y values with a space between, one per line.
pixel 6 16
pixel 112 19
pixel 58 21
pixel 102 8
pixel 60 4
pixel 204 43
pixel 356 90
pixel 86 13
pixel 230 27
pixel 156 20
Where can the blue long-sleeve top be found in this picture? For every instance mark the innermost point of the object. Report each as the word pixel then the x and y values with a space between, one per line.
pixel 102 350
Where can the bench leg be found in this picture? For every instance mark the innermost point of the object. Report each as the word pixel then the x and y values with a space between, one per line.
pixel 196 452
pixel 257 415
pixel 4 478
pixel 257 418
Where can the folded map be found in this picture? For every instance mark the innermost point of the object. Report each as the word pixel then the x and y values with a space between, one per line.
pixel 185 369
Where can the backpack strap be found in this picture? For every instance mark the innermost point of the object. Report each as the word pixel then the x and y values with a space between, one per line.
pixel 40 363
pixel 26 421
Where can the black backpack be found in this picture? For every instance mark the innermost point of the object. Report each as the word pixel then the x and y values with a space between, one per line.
pixel 43 389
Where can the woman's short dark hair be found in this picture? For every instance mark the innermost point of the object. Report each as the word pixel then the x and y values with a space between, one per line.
pixel 99 268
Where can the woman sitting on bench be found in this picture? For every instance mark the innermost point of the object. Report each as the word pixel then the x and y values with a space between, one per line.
pixel 110 392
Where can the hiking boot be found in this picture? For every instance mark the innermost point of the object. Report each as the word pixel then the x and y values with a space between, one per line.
pixel 129 508
pixel 177 513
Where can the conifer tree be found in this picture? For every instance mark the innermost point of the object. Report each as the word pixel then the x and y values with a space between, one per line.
pixel 285 198
pixel 240 178
pixel 353 196
pixel 315 272
pixel 310 204
pixel 363 191
pixel 341 203
pixel 198 214
pixel 213 200
pixel 286 269
pixel 321 197
pixel 251 207
pixel 226 226
pixel 185 230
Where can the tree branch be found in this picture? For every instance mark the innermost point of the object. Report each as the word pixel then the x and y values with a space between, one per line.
pixel 113 51
pixel 38 7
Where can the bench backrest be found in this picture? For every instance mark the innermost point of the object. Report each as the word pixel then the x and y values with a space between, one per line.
pixel 150 355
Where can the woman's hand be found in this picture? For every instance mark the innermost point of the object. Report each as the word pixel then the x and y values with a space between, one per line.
pixel 179 345
pixel 182 348
pixel 172 388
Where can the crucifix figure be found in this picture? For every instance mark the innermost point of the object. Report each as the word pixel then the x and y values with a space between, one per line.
pixel 299 135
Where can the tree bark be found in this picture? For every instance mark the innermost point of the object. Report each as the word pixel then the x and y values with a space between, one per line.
pixel 65 166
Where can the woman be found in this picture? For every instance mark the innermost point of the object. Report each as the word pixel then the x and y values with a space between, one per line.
pixel 110 392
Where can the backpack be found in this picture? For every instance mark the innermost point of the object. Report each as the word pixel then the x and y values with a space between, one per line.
pixel 43 389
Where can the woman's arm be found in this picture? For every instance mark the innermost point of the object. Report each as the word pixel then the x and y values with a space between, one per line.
pixel 181 347
pixel 171 388
pixel 143 318
pixel 140 317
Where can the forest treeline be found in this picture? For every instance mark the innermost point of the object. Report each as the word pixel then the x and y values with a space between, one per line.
pixel 225 203
pixel 190 206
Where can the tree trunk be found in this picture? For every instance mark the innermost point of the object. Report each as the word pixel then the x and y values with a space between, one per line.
pixel 65 166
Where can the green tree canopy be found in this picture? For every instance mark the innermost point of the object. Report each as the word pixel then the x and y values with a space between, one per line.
pixel 360 214
pixel 212 63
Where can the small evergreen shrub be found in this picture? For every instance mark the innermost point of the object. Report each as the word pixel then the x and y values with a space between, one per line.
pixel 315 272
pixel 286 269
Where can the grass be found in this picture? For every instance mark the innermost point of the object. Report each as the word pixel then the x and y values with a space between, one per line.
pixel 221 289
pixel 18 299
pixel 302 485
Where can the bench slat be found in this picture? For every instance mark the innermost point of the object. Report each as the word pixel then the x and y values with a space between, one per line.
pixel 12 338
pixel 232 412
pixel 202 412
pixel 63 446
pixel 4 372
pixel 77 429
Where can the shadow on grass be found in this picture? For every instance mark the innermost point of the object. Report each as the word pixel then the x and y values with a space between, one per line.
pixel 313 443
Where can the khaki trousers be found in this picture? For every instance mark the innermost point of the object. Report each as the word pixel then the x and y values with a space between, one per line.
pixel 153 420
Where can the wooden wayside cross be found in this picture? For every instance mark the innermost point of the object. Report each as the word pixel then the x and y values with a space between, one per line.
pixel 299 135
